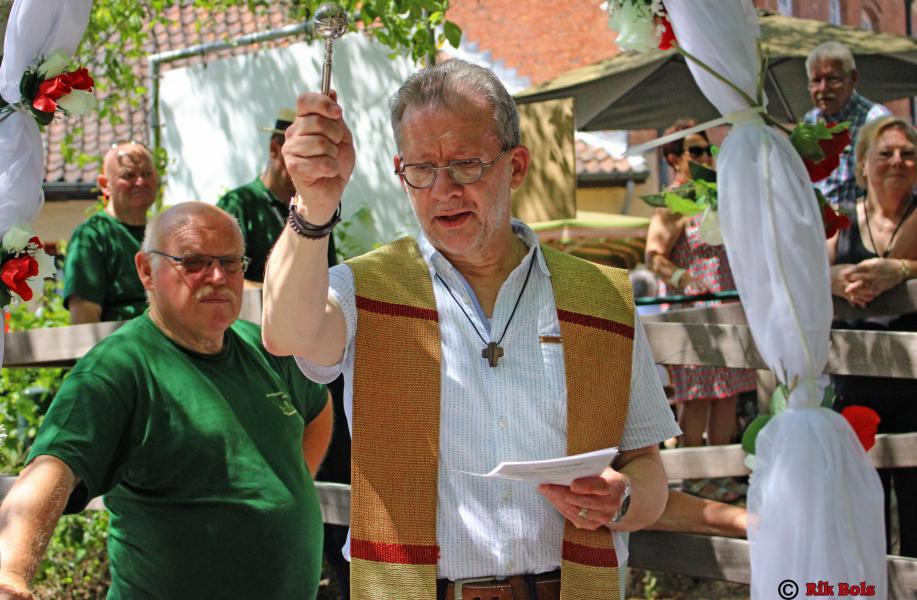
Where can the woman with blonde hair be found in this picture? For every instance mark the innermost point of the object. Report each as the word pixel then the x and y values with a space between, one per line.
pixel 877 253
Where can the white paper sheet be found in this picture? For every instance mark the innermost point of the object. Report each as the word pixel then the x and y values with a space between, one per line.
pixel 559 471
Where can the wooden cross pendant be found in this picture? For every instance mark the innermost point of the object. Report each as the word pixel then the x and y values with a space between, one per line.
pixel 492 353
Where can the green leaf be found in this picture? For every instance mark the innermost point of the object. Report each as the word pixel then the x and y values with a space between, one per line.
pixel 805 138
pixel 453 33
pixel 827 400
pixel 701 172
pixel 657 200
pixel 820 197
pixel 751 432
pixel 779 400
pixel 682 206
pixel 839 127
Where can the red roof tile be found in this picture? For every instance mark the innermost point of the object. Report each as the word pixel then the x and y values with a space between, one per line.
pixel 539 39
pixel 186 26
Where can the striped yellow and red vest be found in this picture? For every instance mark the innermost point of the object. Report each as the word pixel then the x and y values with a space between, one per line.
pixel 396 405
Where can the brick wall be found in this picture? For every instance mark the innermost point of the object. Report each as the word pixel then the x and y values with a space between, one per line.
pixel 885 15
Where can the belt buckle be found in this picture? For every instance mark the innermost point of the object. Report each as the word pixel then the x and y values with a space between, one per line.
pixel 458 583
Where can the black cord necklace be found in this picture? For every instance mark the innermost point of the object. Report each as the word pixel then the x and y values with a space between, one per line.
pixel 904 217
pixel 492 351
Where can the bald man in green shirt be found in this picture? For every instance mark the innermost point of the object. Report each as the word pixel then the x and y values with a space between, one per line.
pixel 101 283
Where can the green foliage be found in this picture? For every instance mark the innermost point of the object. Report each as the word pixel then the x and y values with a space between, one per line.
pixel 76 564
pixel 25 393
pixel 690 198
pixel 682 205
pixel 119 31
pixel 751 432
pixel 805 138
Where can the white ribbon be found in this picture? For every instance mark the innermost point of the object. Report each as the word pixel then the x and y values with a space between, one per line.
pixel 741 117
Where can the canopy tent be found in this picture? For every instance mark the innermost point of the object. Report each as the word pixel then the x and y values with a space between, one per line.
pixel 652 89
pixel 610 239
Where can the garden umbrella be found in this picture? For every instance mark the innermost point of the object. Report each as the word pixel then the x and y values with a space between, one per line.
pixel 650 90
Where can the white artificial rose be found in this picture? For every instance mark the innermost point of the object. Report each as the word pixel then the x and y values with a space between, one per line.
pixel 709 229
pixel 16 238
pixel 46 270
pixel 77 102
pixel 54 65
pixel 635 26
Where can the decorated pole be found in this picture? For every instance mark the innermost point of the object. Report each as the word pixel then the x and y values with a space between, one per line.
pixel 815 501
pixel 36 83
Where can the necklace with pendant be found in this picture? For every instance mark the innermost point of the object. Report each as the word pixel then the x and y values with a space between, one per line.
pixel 492 351
pixel 888 247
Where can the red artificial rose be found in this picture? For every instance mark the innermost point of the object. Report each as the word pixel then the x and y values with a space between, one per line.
pixel 837 143
pixel 832 149
pixel 14 273
pixel 79 79
pixel 668 35
pixel 865 423
pixel 821 169
pixel 50 90
pixel 53 89
pixel 833 221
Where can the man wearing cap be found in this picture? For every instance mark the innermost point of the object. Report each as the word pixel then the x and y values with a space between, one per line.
pixel 832 81
pixel 261 205
pixel 100 282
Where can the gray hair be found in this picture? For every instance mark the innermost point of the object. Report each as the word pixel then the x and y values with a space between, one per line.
pixel 161 226
pixel 828 52
pixel 445 85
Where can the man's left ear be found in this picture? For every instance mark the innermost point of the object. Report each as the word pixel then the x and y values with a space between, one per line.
pixel 521 158
pixel 854 77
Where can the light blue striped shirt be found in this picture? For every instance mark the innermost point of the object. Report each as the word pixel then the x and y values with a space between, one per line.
pixel 517 411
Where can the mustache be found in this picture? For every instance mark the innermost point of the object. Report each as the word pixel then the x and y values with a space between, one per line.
pixel 209 291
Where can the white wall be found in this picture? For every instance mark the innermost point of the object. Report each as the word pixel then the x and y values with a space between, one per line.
pixel 212 116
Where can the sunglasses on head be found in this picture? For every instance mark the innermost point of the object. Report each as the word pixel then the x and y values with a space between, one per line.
pixel 698 151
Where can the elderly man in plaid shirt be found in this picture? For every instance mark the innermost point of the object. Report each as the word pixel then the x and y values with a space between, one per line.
pixel 832 79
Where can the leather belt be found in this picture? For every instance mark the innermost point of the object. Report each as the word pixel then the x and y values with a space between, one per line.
pixel 544 586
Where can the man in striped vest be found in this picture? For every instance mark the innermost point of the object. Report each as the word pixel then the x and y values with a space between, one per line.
pixel 468 346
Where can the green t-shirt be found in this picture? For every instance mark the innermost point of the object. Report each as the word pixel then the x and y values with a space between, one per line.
pixel 262 216
pixel 100 267
pixel 200 460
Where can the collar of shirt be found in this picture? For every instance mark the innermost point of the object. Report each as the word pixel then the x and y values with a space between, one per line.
pixel 855 105
pixel 440 265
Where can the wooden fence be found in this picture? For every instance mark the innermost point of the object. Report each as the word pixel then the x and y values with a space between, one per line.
pixel 712 336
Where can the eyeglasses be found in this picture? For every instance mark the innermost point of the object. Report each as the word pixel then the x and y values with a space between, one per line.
pixel 831 82
pixel 232 264
pixel 698 151
pixel 466 171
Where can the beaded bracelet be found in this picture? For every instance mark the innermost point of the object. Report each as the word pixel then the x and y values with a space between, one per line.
pixel 905 270
pixel 306 229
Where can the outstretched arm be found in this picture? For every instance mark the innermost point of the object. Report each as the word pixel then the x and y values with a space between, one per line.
pixel 685 513
pixel 28 516
pixel 298 317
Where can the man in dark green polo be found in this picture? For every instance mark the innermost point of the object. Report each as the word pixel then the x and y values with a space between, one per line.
pixel 261 205
pixel 101 282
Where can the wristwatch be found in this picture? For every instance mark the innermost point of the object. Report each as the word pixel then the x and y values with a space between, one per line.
pixel 625 504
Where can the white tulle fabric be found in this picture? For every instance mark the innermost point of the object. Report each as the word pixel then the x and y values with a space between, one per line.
pixel 36 28
pixel 815 501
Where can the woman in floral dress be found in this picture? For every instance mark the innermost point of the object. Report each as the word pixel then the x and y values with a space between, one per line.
pixel 677 254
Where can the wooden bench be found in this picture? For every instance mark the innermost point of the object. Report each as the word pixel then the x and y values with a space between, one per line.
pixel 710 336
